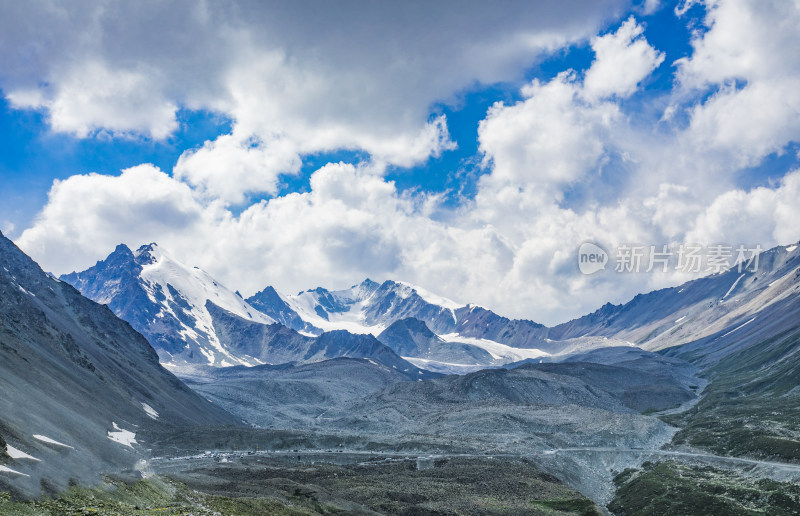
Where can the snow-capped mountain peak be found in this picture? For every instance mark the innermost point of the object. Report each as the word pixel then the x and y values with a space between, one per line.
pixel 166 301
pixel 191 284
pixel 370 307
pixel 430 297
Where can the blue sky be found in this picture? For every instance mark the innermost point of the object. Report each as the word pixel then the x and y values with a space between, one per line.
pixel 443 146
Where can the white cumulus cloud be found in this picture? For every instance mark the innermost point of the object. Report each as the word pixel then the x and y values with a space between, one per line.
pixel 623 59
pixel 567 163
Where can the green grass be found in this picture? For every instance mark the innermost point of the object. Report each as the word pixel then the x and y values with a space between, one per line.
pixel 676 488
pixel 580 506
pixel 156 495
pixel 3 455
pixel 752 405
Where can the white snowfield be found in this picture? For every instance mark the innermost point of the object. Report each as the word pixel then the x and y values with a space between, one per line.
pixel 196 287
pixel 25 291
pixel 430 297
pixel 121 436
pixel 17 454
pixel 496 349
pixel 728 293
pixel 352 320
pixel 739 327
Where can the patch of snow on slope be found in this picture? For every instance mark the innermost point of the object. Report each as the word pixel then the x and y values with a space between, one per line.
pixel 733 286
pixel 123 437
pixel 791 248
pixel 150 411
pixel 739 327
pixel 496 349
pixel 46 439
pixel 15 453
pixel 4 469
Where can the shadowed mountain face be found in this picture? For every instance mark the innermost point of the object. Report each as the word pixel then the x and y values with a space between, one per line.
pixel 277 344
pixel 76 383
pixel 269 302
pixel 412 338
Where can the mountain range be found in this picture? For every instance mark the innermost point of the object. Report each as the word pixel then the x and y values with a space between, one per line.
pixel 193 320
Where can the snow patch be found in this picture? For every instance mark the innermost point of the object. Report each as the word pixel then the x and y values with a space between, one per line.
pixel 46 439
pixel 733 286
pixel 150 411
pixel 791 248
pixel 4 469
pixel 356 301
pixel 739 327
pixel 352 320
pixel 15 453
pixel 496 349
pixel 121 436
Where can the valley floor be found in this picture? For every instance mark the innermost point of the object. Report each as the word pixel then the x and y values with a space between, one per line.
pixel 285 485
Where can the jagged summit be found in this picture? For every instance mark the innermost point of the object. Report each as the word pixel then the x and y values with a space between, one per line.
pixel 149 254
pixel 271 303
pixel 165 300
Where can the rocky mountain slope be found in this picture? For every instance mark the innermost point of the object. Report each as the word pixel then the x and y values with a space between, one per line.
pixel 295 396
pixel 412 338
pixel 700 308
pixel 76 384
